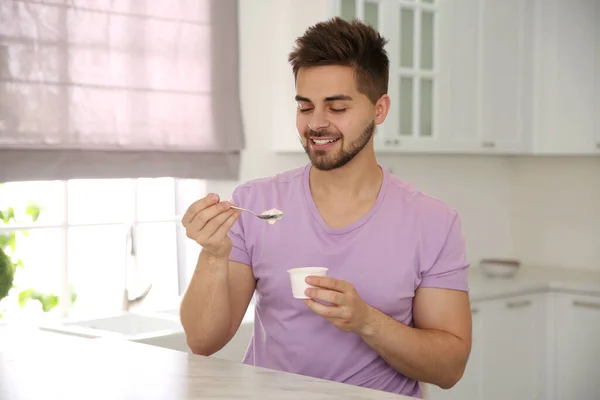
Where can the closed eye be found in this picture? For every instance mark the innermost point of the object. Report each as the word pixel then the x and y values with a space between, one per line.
pixel 334 110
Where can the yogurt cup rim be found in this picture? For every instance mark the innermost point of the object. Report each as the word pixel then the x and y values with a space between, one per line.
pixel 308 269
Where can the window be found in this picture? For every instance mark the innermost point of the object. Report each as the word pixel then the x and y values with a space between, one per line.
pixel 109 89
pixel 410 27
pixel 96 236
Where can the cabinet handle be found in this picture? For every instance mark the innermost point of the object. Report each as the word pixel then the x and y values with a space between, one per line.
pixel 598 145
pixel 389 142
pixel 474 310
pixel 586 304
pixel 488 144
pixel 518 304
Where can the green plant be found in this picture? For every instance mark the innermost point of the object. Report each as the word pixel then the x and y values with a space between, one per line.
pixel 7 274
pixel 10 263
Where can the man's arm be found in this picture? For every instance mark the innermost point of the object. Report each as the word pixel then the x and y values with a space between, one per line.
pixel 215 302
pixel 436 350
pixel 220 290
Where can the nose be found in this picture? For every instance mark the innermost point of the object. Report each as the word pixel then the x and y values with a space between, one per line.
pixel 318 121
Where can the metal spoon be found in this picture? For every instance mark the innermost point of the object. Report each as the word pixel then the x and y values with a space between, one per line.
pixel 266 217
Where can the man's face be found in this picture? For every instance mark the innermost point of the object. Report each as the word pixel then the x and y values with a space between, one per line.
pixel 334 120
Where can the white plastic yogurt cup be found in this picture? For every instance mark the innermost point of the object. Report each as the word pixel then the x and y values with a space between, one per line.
pixel 298 279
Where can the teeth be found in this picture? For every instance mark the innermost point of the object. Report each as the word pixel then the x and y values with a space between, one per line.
pixel 317 141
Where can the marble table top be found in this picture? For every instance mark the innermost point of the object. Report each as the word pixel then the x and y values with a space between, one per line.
pixel 53 366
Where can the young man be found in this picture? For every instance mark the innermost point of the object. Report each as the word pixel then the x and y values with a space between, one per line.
pixel 394 309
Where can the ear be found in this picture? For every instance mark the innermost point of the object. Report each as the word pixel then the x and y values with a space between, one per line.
pixel 382 107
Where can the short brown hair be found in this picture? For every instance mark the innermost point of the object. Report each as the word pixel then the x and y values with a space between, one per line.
pixel 354 44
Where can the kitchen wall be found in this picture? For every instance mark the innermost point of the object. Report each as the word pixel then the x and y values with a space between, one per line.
pixel 556 210
pixel 543 210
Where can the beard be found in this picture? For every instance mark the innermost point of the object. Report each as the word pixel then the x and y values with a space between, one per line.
pixel 323 161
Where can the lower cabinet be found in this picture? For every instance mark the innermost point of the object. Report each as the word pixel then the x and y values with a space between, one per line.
pixel 575 372
pixel 531 347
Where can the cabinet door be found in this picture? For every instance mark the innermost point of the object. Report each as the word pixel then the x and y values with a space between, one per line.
pixel 469 387
pixel 504 76
pixel 513 340
pixel 490 100
pixel 577 344
pixel 459 91
pixel 567 74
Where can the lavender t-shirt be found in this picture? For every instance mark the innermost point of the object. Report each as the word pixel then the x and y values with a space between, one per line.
pixel 408 240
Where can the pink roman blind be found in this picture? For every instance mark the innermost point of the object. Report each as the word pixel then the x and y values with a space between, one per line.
pixel 119 88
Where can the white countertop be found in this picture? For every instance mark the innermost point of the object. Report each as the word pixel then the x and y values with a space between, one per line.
pixel 36 364
pixel 532 279
pixel 39 365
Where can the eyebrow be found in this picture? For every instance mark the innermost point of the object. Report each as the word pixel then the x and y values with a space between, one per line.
pixel 338 97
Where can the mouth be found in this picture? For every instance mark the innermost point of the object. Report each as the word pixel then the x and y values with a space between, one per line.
pixel 322 143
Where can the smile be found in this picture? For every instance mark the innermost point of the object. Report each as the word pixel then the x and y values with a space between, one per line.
pixel 321 143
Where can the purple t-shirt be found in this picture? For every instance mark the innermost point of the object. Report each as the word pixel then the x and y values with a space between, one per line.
pixel 408 240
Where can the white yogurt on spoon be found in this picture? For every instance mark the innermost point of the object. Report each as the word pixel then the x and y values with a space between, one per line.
pixel 275 213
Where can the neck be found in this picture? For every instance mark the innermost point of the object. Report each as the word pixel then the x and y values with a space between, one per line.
pixel 361 177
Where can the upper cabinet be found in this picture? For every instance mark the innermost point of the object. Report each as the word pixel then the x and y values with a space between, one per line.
pixel 567 77
pixel 458 74
pixel 485 51
pixel 476 76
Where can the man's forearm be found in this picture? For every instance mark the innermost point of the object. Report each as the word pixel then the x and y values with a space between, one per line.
pixel 424 355
pixel 205 309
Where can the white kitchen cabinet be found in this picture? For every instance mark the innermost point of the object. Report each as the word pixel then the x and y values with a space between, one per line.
pixel 486 104
pixel 576 359
pixel 504 79
pixel 513 340
pixel 460 75
pixel 468 76
pixel 567 77
pixel 543 346
pixel 508 354
pixel 418 35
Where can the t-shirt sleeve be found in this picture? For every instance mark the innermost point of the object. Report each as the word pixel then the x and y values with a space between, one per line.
pixel 239 251
pixel 449 269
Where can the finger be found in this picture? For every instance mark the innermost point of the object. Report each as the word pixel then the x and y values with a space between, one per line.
pixel 327 282
pixel 205 216
pixel 330 296
pixel 208 231
pixel 323 310
pixel 227 225
pixel 198 206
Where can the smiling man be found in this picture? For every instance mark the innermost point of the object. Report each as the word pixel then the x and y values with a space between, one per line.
pixel 394 310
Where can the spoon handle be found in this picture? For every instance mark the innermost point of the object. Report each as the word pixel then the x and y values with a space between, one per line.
pixel 242 209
